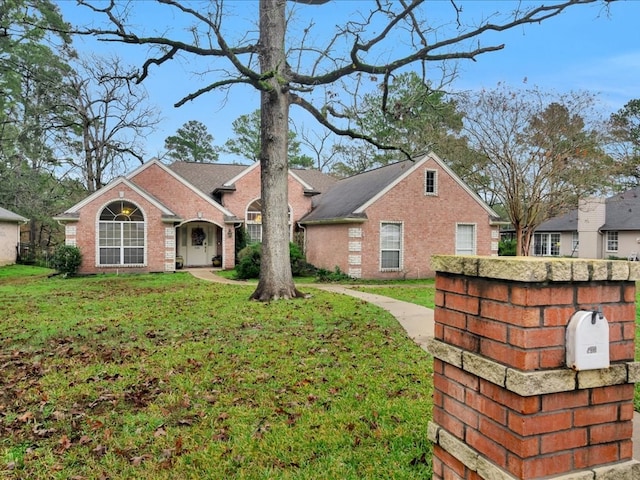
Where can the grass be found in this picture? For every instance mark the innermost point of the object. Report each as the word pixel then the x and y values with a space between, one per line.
pixel 165 376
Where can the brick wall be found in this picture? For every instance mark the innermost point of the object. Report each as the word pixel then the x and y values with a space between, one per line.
pixel 428 224
pixel 505 404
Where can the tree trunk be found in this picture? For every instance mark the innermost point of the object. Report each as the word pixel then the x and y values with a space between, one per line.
pixel 276 280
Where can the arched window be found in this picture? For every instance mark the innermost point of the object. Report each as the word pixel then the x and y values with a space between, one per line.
pixel 253 221
pixel 121 234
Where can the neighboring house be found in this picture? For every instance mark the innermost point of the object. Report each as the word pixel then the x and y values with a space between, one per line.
pixel 10 236
pixel 598 228
pixel 381 224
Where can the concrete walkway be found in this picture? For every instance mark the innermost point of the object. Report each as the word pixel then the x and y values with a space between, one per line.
pixel 416 320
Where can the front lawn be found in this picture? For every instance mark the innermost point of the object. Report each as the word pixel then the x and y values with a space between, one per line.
pixel 165 377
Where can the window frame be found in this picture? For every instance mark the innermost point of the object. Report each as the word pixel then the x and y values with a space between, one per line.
pixel 474 240
pixel 548 243
pixel 613 238
pixel 430 184
pixel 122 236
pixel 385 248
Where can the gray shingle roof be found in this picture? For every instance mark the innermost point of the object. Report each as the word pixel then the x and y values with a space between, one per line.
pixel 343 199
pixel 208 177
pixel 622 213
pixel 9 216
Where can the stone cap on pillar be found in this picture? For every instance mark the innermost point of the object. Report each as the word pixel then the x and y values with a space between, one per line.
pixel 537 269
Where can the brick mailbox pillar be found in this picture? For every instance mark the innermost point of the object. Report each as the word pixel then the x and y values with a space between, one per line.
pixel 506 406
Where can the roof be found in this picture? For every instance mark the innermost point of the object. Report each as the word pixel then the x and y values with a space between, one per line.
pixel 345 197
pixel 349 198
pixel 622 212
pixel 209 177
pixel 9 216
pixel 562 223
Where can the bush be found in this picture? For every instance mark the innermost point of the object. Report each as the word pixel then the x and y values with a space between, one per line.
pixel 249 262
pixel 327 276
pixel 507 248
pixel 66 260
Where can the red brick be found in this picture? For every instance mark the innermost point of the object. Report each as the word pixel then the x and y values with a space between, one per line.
pixel 451 389
pixel 553 358
pixel 462 303
pixel 541 296
pixel 486 406
pixel 597 294
pixel 540 466
pixel 626 450
pixel 531 338
pixel 557 316
pixel 621 352
pixel 487 328
pixel 524 317
pixel 522 446
pixel 438 299
pixel 595 455
pixel 461 338
pixel 629 292
pixel 489 448
pixel 626 412
pixel 464 413
pixel 565 400
pixel 511 356
pixel 460 376
pixel 448 283
pixel 610 432
pixel 613 393
pixel 452 425
pixel 489 290
pixel 541 423
pixel 565 440
pixel 450 318
pixel 623 312
pixel 514 402
pixel 595 415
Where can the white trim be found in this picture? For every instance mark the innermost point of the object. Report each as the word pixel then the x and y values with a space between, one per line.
pixel 302 182
pixel 435 182
pixel 241 174
pixel 145 261
pixel 400 266
pixel 115 183
pixel 418 164
pixel 474 240
pixel 180 179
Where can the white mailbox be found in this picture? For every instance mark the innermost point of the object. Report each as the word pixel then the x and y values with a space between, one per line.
pixel 587 341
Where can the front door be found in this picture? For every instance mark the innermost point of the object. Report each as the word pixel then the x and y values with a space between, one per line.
pixel 198 238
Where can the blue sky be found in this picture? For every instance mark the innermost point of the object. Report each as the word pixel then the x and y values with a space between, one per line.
pixel 585 48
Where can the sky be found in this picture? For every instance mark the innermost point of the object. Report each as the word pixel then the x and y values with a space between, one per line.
pixel 588 47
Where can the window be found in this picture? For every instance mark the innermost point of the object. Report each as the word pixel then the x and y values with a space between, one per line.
pixel 390 246
pixel 430 182
pixel 465 239
pixel 546 244
pixel 612 241
pixel 121 235
pixel 575 241
pixel 253 221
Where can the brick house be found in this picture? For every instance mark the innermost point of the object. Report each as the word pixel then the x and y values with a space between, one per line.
pixel 10 236
pixel 381 224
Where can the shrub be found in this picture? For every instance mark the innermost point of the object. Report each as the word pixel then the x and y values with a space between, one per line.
pixel 327 276
pixel 507 248
pixel 66 260
pixel 249 262
pixel 250 256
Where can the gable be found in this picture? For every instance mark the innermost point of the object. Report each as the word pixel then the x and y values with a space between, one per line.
pixel 170 187
pixel 349 199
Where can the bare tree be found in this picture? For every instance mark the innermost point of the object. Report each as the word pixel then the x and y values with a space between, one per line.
pixel 541 156
pixel 111 115
pixel 364 46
